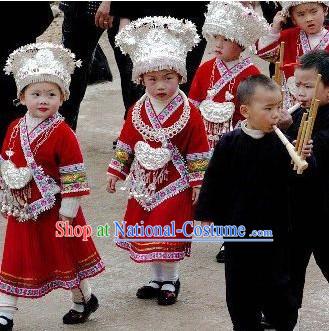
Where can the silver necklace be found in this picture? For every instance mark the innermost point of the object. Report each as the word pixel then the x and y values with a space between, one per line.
pixel 161 134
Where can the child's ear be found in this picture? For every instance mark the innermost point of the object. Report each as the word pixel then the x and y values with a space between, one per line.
pixel 244 111
pixel 22 99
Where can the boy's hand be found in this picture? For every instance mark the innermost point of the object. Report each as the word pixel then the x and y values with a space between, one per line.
pixel 285 120
pixel 278 21
pixel 195 194
pixel 111 182
pixel 66 219
pixel 307 149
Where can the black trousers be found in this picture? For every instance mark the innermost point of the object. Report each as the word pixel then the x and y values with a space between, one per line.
pixel 303 244
pixel 256 279
pixel 81 36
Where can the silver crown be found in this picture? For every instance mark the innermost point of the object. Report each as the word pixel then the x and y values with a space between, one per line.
pixel 157 43
pixel 286 5
pixel 42 62
pixel 235 22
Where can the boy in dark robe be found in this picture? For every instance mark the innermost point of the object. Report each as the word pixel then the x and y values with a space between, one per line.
pixel 247 183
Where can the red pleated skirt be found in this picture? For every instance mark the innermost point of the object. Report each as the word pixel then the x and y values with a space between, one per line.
pixel 35 261
pixel 179 209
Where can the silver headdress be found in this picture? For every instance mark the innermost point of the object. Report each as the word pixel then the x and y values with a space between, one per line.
pixel 42 62
pixel 235 22
pixel 286 5
pixel 157 43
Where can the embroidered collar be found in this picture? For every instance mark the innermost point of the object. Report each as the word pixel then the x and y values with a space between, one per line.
pixel 43 126
pixel 305 42
pixel 256 134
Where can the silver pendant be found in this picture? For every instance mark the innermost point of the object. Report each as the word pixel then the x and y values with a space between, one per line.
pixel 151 158
pixel 216 112
pixel 15 178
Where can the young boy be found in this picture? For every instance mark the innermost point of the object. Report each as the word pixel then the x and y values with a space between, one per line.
pixel 162 147
pixel 230 28
pixel 253 166
pixel 308 33
pixel 305 239
pixel 42 180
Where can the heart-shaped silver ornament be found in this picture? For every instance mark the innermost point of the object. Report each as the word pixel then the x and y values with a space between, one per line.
pixel 151 158
pixel 15 178
pixel 216 112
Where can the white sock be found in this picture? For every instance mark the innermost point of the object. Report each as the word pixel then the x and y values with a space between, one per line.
pixel 8 307
pixel 81 295
pixel 156 269
pixel 170 273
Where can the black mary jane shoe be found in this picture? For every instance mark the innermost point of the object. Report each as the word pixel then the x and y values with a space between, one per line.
pixel 74 317
pixel 8 326
pixel 166 297
pixel 149 292
pixel 220 257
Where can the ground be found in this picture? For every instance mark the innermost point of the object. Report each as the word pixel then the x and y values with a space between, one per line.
pixel 201 304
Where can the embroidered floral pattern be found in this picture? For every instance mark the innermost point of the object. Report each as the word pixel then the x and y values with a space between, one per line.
pixel 197 164
pixel 228 74
pixel 170 109
pixel 271 55
pixel 152 256
pixel 306 45
pixel 45 125
pixel 73 178
pixel 46 185
pixel 194 102
pixel 122 159
pixel 52 285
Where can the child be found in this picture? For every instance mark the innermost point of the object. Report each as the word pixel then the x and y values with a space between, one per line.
pixel 43 178
pixel 308 33
pixel 305 241
pixel 163 145
pixel 231 28
pixel 253 166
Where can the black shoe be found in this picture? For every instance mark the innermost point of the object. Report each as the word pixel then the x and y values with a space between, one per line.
pixel 8 326
pixel 166 297
pixel 267 325
pixel 74 317
pixel 220 257
pixel 149 292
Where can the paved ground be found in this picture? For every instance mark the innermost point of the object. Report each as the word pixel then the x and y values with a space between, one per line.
pixel 201 304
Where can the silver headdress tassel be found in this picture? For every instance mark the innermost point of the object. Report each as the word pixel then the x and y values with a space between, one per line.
pixel 286 5
pixel 157 43
pixel 234 21
pixel 42 62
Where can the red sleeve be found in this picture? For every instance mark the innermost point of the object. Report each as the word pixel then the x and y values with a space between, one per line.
pixel 71 167
pixel 200 83
pixel 123 155
pixel 198 151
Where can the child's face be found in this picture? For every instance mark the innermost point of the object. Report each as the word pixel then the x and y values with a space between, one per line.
pixel 42 99
pixel 309 16
pixel 305 80
pixel 162 84
pixel 225 49
pixel 263 110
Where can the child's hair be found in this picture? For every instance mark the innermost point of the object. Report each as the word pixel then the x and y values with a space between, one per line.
pixel 247 87
pixel 317 60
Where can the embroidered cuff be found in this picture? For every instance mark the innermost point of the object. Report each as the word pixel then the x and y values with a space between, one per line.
pixel 121 160
pixel 197 164
pixel 70 207
pixel 73 180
